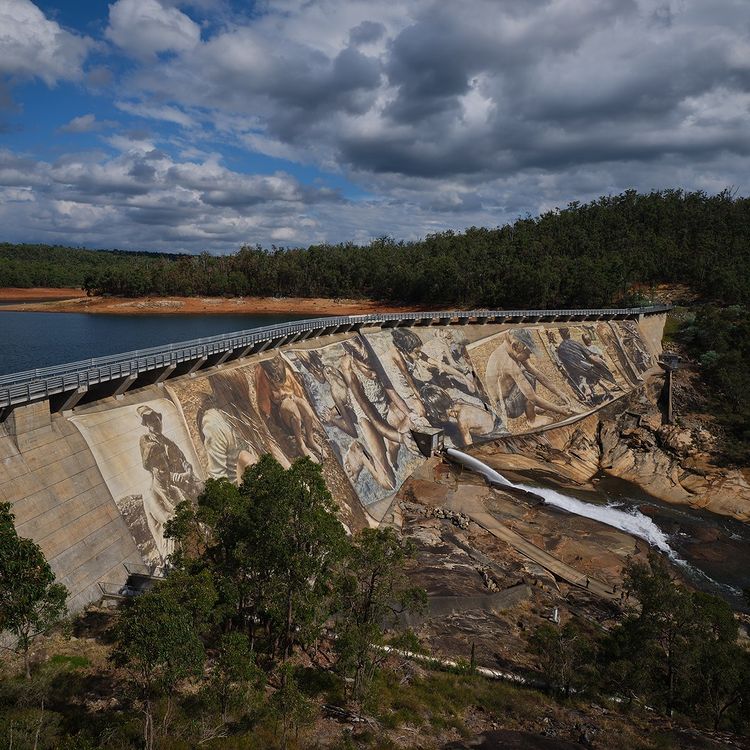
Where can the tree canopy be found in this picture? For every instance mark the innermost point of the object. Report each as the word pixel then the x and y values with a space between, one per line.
pixel 588 254
pixel 31 603
pixel 373 590
pixel 678 649
pixel 272 545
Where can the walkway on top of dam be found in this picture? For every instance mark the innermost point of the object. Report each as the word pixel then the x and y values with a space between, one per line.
pixel 65 385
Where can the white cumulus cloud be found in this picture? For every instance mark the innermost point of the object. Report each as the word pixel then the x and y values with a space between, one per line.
pixel 83 124
pixel 145 27
pixel 33 46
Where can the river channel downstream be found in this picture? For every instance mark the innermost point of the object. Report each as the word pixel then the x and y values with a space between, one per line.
pixel 712 552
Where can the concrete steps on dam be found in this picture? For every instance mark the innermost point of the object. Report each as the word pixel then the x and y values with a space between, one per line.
pixel 93 484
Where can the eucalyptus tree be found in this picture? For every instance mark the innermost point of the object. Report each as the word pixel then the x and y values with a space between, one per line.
pixel 157 646
pixel 374 590
pixel 31 603
pixel 273 545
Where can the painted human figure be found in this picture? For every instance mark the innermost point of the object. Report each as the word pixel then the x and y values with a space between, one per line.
pixel 431 362
pixel 228 451
pixel 342 414
pixel 365 407
pixel 634 347
pixel 348 413
pixel 228 427
pixel 172 477
pixel 348 418
pixel 601 373
pixel 448 390
pixel 280 395
pixel 513 376
pixel 357 458
pixel 462 421
pixel 393 361
pixel 584 369
pixel 361 362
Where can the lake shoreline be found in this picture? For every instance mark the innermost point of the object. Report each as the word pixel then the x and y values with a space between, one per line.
pixel 77 301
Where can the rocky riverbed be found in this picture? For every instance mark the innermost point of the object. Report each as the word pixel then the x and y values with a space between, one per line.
pixel 496 562
pixel 503 565
pixel 629 440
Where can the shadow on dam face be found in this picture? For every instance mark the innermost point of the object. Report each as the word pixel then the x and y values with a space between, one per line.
pixel 95 482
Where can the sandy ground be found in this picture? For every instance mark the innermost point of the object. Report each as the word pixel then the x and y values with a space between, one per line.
pixel 75 300
pixel 38 294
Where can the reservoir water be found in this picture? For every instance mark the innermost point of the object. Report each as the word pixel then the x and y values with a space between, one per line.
pixel 32 339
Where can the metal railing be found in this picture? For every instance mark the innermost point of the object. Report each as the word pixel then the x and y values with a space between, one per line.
pixel 36 385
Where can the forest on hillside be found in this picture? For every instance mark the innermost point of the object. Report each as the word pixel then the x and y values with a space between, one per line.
pixel 590 254
pixel 57 266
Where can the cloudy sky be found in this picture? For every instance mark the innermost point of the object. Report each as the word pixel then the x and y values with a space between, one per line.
pixel 206 124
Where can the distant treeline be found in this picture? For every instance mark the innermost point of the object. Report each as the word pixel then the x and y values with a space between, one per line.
pixel 57 266
pixel 586 254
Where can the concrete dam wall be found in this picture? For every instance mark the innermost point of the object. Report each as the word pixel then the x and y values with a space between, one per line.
pixel 94 483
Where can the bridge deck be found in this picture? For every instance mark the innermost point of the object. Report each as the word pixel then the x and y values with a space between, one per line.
pixel 171 360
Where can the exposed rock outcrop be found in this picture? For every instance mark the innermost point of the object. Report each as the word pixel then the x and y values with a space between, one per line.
pixel 628 440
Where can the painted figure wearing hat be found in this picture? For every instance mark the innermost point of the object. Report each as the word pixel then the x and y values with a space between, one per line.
pixel 172 477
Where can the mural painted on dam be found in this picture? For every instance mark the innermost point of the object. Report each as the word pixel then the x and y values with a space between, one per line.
pixel 631 343
pixel 224 424
pixel 431 372
pixel 608 341
pixel 149 465
pixel 540 376
pixel 521 380
pixel 351 406
pixel 236 416
pixel 366 421
pixel 581 357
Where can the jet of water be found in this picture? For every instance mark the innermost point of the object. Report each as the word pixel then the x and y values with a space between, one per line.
pixel 631 521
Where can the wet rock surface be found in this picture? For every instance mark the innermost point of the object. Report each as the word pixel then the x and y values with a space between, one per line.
pixel 484 593
pixel 628 440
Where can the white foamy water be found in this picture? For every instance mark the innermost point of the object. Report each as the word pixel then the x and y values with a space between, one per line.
pixel 631 521
pixel 492 476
